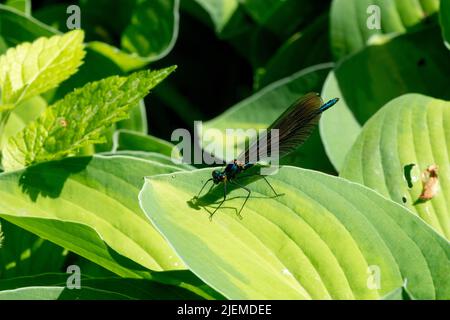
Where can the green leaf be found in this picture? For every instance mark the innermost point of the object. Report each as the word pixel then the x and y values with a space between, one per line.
pixel 89 206
pixel 21 5
pixel 23 114
pixel 350 20
pixel 414 63
pixel 406 136
pixel 53 287
pixel 79 119
pixel 219 11
pixel 148 30
pixel 137 122
pixel 401 293
pixel 306 48
pixel 150 156
pixel 445 21
pixel 338 127
pixel 34 68
pixel 322 239
pixel 1 236
pixel 153 29
pixel 25 254
pixel 17 27
pixel 133 141
pixel 282 17
pixel 261 109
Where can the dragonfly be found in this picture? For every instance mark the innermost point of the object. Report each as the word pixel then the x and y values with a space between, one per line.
pixel 294 127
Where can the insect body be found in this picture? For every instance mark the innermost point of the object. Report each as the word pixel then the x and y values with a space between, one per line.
pixel 294 126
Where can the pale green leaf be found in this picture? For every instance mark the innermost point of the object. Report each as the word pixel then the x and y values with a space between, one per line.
pixel 79 119
pixel 89 206
pixel 416 62
pixel 350 19
pixel 126 140
pixel 396 145
pixel 323 238
pixel 151 157
pixel 34 68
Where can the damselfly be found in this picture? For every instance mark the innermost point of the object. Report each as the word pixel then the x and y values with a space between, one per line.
pixel 293 127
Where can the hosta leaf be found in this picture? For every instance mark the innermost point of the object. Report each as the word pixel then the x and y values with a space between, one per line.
pixel 282 17
pixel 350 18
pixel 17 27
pixel 34 68
pixel 1 236
pixel 53 287
pixel 220 11
pixel 264 107
pixel 153 28
pixel 133 141
pixel 338 127
pixel 322 239
pixel 89 206
pixel 147 29
pixel 406 136
pixel 306 48
pixel 150 156
pixel 445 21
pixel 21 5
pixel 25 254
pixel 418 63
pixel 150 34
pixel 79 119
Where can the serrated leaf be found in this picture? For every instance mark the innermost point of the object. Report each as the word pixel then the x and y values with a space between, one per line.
pixel 319 240
pixel 23 114
pixel 79 119
pixel 396 145
pixel 34 68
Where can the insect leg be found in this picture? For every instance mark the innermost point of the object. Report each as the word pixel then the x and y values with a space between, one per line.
pixel 223 200
pixel 198 195
pixel 265 179
pixel 248 196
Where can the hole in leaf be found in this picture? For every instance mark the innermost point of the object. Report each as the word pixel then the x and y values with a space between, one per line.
pixel 407 174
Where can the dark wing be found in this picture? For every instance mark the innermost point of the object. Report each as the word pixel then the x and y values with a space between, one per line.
pixel 294 127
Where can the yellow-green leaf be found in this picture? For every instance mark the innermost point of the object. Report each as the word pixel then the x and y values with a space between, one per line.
pixel 34 68
pixel 396 146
